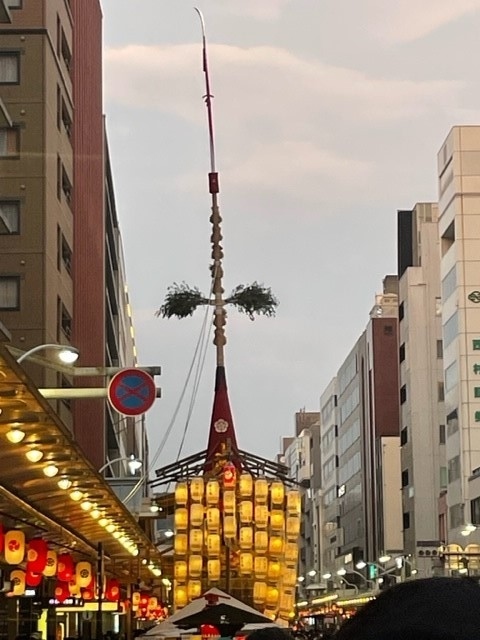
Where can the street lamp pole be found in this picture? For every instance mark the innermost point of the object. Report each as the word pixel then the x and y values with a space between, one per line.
pixel 67 354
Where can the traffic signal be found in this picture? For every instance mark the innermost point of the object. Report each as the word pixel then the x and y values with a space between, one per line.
pixel 372 571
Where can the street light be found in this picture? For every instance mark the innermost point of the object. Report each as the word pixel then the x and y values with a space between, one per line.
pixel 327 576
pixel 134 464
pixel 384 558
pixel 312 573
pixel 67 354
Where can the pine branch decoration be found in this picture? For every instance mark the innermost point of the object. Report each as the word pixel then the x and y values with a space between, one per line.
pixel 254 299
pixel 181 301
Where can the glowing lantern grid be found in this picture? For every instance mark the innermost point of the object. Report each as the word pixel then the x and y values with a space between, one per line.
pixel 259 517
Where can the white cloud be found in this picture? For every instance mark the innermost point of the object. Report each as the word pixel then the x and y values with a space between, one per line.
pixel 258 9
pixel 408 20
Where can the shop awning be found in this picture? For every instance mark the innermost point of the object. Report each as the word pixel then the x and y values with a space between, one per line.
pixel 30 499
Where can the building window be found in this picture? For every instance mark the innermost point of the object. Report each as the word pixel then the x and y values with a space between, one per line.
pixel 476 392
pixel 404 436
pixel 9 217
pixel 456 515
pixel 454 469
pixel 449 283
pixel 401 311
pixel 64 321
pixel 450 329
pixel 475 510
pixel 406 520
pixel 14 4
pixel 405 481
pixel 443 477
pixel 401 352
pixel 8 141
pixel 439 349
pixel 441 433
pixel 452 423
pixel 66 186
pixel 9 293
pixel 441 392
pixel 66 119
pixel 65 50
pixel 64 253
pixel 9 68
pixel 403 394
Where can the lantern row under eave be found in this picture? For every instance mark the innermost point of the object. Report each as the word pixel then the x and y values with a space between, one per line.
pixel 257 517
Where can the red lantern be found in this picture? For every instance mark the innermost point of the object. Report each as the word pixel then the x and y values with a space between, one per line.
pixel 112 592
pixel 2 538
pixel 65 568
pixel 209 631
pixel 144 600
pixel 32 579
pixel 62 591
pixel 37 555
pixel 89 592
pixel 229 475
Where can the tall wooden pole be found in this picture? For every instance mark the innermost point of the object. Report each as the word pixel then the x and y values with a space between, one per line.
pixel 216 267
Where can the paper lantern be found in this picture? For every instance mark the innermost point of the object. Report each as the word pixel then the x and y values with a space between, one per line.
pixel 293 527
pixel 229 502
pixel 196 489
pixel 195 564
pixel 289 577
pixel 277 520
pixel 272 596
pixel 135 598
pixel 144 600
pixel 196 540
pixel 277 493
pixel 180 544
pixel 245 511
pixel 261 516
pixel 213 545
pixel 51 564
pixel 14 546
pixel 261 541
pixel 229 527
pixel 152 603
pixel 194 589
pixel 213 570
pixel 275 546
pixel 37 550
pixel 245 485
pixel 213 519
pixel 2 538
pixel 212 493
pixel 209 631
pixel 180 570
pixel 274 569
pixel 286 604
pixel 62 591
pixel 245 537
pixel 246 564
pixel 180 596
pixel 89 592
pixel 261 490
pixel 83 574
pixel 181 519
pixel 260 567
pixel 65 568
pixel 73 588
pixel 17 582
pixel 229 475
pixel 181 493
pixel 291 552
pixel 294 502
pixel 259 592
pixel 32 579
pixel 196 514
pixel 112 592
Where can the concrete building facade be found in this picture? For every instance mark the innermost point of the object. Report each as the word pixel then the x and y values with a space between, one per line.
pixel 422 412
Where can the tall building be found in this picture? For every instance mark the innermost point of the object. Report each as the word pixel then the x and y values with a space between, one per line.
pixel 367 454
pixel 423 432
pixel 62 276
pixel 459 231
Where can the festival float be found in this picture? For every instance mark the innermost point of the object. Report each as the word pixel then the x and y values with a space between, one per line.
pixel 236 515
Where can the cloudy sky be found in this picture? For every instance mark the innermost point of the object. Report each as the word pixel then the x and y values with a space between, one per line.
pixel 329 115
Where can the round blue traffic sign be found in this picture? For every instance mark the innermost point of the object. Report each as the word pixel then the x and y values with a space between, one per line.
pixel 132 392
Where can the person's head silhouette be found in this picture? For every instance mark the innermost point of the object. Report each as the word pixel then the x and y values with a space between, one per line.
pixel 424 609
